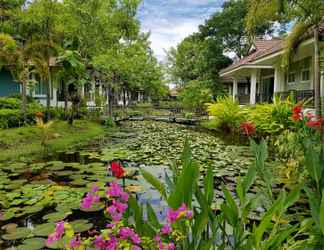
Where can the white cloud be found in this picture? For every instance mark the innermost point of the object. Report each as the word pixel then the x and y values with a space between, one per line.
pixel 169 22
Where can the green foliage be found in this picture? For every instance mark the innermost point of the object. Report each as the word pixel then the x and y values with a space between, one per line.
pixel 271 118
pixel 195 95
pixel 110 123
pixel 226 114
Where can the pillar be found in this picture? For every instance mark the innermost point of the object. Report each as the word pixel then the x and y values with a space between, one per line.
pixel 253 87
pixel 235 91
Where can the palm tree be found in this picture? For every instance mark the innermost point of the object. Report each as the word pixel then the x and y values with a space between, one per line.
pixel 307 16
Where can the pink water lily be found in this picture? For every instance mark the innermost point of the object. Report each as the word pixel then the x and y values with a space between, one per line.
pixel 75 242
pixel 57 235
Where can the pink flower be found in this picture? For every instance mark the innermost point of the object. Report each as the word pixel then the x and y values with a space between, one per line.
pixel 116 217
pixel 121 207
pixel 75 242
pixel 128 233
pixel 161 247
pixel 174 215
pixel 112 244
pixel 166 229
pixel 171 246
pixel 157 238
pixel 124 196
pixel 89 200
pixel 94 189
pixel 136 248
pixel 99 242
pixel 57 235
pixel 189 214
pixel 114 190
pixel 136 239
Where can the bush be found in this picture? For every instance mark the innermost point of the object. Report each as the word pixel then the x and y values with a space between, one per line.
pixel 134 113
pixel 195 95
pixel 9 103
pixel 270 118
pixel 109 123
pixel 144 105
pixel 226 114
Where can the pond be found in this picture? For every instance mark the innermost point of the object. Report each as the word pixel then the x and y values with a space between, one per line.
pixel 34 195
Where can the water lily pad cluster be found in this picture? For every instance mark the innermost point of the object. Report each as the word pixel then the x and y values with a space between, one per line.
pixel 158 143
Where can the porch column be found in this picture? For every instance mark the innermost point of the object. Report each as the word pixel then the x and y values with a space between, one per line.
pixel 235 89
pixel 82 91
pixel 253 87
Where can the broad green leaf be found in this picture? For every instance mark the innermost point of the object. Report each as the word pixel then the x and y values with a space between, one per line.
pixel 152 218
pixel 155 182
pixel 322 214
pixel 209 186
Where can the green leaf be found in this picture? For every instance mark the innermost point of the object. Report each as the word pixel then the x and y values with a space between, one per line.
pixel 185 186
pixel 266 219
pixel 322 213
pixel 314 204
pixel 292 197
pixel 159 186
pixel 209 186
pixel 152 218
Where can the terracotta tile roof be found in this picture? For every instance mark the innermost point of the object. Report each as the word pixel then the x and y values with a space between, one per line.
pixel 262 49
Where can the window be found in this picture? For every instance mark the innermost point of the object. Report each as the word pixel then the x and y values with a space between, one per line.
pixel 40 87
pixel 305 75
pixel 291 77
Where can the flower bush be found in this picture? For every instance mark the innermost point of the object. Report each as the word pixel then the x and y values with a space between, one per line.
pixel 117 234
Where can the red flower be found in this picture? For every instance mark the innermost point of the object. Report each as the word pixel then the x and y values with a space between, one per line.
pixel 248 128
pixel 117 170
pixel 297 113
pixel 315 123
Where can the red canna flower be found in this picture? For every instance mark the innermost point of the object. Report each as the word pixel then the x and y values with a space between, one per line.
pixel 117 170
pixel 248 128
pixel 297 113
pixel 318 123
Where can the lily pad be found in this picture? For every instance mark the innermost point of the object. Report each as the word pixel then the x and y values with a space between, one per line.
pixel 19 233
pixel 32 244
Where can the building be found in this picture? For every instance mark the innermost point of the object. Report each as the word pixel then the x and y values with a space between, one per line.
pixel 95 92
pixel 258 77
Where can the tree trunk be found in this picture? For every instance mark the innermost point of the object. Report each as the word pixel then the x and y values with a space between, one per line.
pixel 66 95
pixel 317 73
pixel 110 101
pixel 24 100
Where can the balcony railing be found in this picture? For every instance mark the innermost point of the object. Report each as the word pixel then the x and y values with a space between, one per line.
pixel 299 95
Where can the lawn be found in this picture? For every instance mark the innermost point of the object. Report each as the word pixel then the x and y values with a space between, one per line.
pixel 19 143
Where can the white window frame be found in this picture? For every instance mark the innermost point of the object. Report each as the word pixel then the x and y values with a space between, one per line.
pixel 294 82
pixel 301 75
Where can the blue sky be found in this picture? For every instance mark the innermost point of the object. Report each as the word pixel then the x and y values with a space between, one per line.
pixel 170 21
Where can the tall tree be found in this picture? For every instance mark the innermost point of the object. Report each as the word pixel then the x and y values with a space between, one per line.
pixel 307 16
pixel 16 56
pixel 228 27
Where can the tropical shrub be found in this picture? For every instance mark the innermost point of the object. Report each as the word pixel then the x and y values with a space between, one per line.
pixel 226 114
pixel 10 103
pixel 195 95
pixel 109 122
pixel 270 118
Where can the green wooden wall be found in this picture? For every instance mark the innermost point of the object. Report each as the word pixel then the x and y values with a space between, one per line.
pixel 7 84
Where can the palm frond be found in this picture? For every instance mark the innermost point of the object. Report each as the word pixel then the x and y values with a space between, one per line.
pixel 293 40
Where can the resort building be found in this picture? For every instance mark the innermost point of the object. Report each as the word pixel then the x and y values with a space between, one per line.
pixel 258 77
